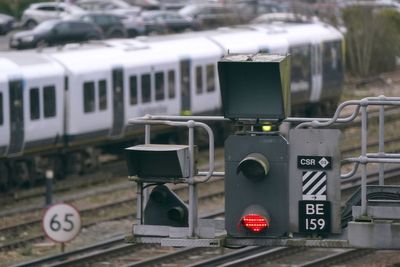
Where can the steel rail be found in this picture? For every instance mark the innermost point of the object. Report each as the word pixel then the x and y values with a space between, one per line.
pixel 107 248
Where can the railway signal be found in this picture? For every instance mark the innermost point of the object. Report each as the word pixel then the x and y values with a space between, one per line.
pixel 163 207
pixel 279 191
pixel 254 88
pixel 256 186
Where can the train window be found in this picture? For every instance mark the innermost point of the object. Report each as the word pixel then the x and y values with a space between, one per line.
pixel 34 103
pixel 102 94
pixel 146 89
pixel 199 80
pixel 49 100
pixel 1 109
pixel 210 70
pixel 160 86
pixel 133 90
pixel 88 97
pixel 171 84
pixel 331 56
pixel 301 61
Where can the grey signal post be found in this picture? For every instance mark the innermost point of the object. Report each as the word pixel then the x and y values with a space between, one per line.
pixel 255 91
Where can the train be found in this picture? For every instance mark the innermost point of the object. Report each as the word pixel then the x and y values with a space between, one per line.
pixel 60 105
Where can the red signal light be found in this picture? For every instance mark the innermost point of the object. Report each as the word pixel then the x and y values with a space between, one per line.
pixel 254 222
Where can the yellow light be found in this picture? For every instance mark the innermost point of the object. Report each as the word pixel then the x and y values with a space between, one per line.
pixel 186 112
pixel 267 128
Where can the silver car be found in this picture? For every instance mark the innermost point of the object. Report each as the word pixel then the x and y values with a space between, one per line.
pixel 37 13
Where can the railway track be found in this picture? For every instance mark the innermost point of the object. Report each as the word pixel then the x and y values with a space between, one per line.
pixel 109 248
pixel 117 248
pixel 12 231
pixel 348 184
pixel 282 256
pixel 94 214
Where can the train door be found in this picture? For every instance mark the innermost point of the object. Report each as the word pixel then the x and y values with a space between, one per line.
pixel 16 117
pixel 185 87
pixel 316 72
pixel 118 101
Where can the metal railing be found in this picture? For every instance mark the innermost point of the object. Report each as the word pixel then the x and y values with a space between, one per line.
pixel 364 159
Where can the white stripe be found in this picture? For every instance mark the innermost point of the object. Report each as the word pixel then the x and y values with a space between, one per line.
pixel 315 176
pixel 305 176
pixel 320 192
pixel 321 181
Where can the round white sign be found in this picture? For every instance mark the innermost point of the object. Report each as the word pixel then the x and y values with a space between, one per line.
pixel 61 222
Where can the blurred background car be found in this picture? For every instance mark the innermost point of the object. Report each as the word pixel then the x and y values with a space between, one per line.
pixel 56 32
pixel 6 23
pixel 39 12
pixel 110 24
pixel 146 4
pixel 134 25
pixel 281 17
pixel 116 7
pixel 159 21
pixel 128 14
pixel 210 15
pixel 172 4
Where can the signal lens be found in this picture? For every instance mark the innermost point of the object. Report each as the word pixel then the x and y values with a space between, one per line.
pixel 267 128
pixel 254 222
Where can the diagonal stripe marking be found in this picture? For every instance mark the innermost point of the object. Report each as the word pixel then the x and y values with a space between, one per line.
pixel 311 180
pixel 320 182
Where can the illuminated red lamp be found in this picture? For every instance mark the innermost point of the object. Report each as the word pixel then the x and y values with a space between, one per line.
pixel 254 222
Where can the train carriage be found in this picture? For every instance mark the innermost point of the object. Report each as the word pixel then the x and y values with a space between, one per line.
pixel 31 88
pixel 61 104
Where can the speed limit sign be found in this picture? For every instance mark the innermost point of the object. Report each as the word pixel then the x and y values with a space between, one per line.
pixel 61 222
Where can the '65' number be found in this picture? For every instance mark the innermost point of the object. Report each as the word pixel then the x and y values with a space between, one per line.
pixel 67 226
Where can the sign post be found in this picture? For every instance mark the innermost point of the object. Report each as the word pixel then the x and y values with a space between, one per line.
pixel 61 223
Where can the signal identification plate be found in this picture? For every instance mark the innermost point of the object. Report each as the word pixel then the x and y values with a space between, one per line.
pixel 314 162
pixel 314 216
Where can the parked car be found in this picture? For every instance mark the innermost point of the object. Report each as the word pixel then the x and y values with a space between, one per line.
pixel 110 24
pixel 146 4
pixel 166 21
pixel 116 7
pixel 6 23
pixel 210 15
pixel 282 17
pixel 55 32
pixel 134 25
pixel 173 4
pixel 39 12
pixel 129 15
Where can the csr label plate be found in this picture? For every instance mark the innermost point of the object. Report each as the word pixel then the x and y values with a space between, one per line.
pixel 314 216
pixel 314 162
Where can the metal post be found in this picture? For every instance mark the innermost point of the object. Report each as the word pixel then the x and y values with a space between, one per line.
pixel 139 203
pixel 192 185
pixel 381 141
pixel 364 131
pixel 147 135
pixel 49 187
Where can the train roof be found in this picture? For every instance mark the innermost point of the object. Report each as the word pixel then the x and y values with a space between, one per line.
pixel 106 54
pixel 299 33
pixel 27 63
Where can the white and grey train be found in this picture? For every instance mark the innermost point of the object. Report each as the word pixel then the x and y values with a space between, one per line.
pixel 57 104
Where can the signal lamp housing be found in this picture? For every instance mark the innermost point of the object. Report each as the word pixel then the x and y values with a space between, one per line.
pixel 158 161
pixel 254 166
pixel 255 86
